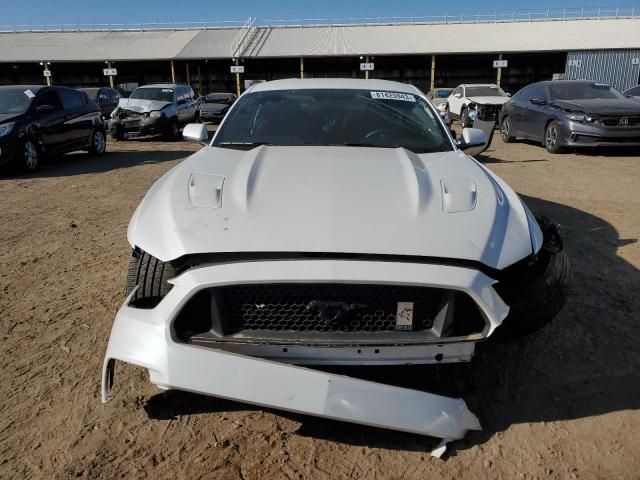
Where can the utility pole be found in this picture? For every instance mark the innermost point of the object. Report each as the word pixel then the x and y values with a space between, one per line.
pixel 110 76
pixel 237 78
pixel 499 74
pixel 433 72
pixel 173 72
pixel 366 72
pixel 301 67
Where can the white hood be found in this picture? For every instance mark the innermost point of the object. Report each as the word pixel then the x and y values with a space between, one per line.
pixel 491 100
pixel 141 105
pixel 332 199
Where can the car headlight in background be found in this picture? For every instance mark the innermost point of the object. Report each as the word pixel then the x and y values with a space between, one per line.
pixel 156 114
pixel 441 107
pixel 5 128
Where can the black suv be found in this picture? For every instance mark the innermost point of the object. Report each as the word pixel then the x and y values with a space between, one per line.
pixel 106 98
pixel 39 120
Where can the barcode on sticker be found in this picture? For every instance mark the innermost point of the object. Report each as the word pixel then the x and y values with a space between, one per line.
pixel 403 97
pixel 404 316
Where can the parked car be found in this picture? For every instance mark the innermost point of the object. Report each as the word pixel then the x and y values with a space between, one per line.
pixel 470 101
pixel 160 109
pixel 633 92
pixel 106 98
pixel 329 221
pixel 36 120
pixel 438 97
pixel 214 106
pixel 571 113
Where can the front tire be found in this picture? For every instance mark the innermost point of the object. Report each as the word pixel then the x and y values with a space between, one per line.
pixel 505 130
pixel 552 139
pixel 149 277
pixel 464 118
pixel 98 143
pixel 172 131
pixel 30 157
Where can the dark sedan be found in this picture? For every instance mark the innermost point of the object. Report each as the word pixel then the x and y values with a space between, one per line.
pixel 214 106
pixel 38 120
pixel 106 98
pixel 571 113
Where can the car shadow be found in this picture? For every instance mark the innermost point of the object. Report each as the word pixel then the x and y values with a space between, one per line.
pixel 585 363
pixel 84 163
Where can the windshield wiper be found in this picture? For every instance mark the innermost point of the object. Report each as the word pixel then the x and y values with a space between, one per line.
pixel 241 145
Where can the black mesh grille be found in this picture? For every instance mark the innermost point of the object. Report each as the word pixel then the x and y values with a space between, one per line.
pixel 325 307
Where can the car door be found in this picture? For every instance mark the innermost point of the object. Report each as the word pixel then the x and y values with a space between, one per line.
pixel 78 124
pixel 182 108
pixel 456 99
pixel 49 125
pixel 193 104
pixel 536 112
pixel 517 113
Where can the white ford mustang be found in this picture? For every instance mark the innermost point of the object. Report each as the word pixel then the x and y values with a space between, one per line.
pixel 329 222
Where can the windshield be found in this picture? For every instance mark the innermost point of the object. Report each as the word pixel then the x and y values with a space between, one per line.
pixel 159 94
pixel 337 117
pixel 218 98
pixel 15 101
pixel 443 92
pixel 485 91
pixel 583 91
pixel 91 92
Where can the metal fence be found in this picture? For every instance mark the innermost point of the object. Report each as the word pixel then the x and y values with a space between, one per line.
pixel 620 68
pixel 494 16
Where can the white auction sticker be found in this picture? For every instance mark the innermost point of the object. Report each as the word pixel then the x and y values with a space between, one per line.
pixel 404 316
pixel 29 93
pixel 403 97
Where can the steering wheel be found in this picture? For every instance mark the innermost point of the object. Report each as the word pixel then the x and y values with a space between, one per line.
pixel 379 132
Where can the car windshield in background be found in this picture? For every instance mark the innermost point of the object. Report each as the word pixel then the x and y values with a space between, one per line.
pixel 158 94
pixel 333 117
pixel 443 93
pixel 583 91
pixel 15 101
pixel 484 91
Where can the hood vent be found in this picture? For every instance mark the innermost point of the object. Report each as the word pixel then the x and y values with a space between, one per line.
pixel 205 190
pixel 459 194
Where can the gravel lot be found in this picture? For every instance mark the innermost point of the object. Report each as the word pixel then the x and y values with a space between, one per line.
pixel 560 404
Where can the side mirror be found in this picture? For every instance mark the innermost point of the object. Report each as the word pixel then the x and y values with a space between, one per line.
pixel 44 109
pixel 196 132
pixel 473 141
pixel 457 95
pixel 538 101
pixel 508 94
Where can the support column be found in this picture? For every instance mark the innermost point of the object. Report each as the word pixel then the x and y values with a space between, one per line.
pixel 237 79
pixel 301 67
pixel 173 72
pixel 199 80
pixel 366 72
pixel 499 74
pixel 110 76
pixel 432 83
pixel 186 66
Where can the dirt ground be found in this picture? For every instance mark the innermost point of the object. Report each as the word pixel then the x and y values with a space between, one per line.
pixel 560 404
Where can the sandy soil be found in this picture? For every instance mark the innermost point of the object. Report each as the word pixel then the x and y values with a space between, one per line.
pixel 560 404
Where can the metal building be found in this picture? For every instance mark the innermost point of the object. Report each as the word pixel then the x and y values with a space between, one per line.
pixel 620 68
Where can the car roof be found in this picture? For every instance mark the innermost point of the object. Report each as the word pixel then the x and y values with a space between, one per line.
pixel 335 84
pixel 479 85
pixel 161 85
pixel 571 82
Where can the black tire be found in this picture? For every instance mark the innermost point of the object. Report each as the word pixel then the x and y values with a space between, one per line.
pixel 117 133
pixel 505 130
pixel 551 140
pixel 172 131
pixel 98 142
pixel 535 295
pixel 150 276
pixel 29 158
pixel 464 118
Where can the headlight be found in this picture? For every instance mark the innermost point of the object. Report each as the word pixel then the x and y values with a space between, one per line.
pixel 441 106
pixel 5 128
pixel 156 114
pixel 582 117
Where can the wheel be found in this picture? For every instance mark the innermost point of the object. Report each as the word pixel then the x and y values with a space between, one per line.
pixel 150 276
pixel 117 133
pixel 30 157
pixel 172 132
pixel 505 130
pixel 535 293
pixel 552 139
pixel 464 118
pixel 98 143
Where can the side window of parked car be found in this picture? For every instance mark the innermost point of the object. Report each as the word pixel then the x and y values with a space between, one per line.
pixel 179 95
pixel 72 98
pixel 49 98
pixel 457 90
pixel 534 91
pixel 115 95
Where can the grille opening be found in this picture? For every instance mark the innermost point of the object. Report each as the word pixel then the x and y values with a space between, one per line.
pixel 325 314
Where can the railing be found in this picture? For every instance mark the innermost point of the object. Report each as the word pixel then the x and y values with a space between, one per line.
pixel 495 16
pixel 238 44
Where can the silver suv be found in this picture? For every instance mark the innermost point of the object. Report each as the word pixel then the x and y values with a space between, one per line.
pixel 160 109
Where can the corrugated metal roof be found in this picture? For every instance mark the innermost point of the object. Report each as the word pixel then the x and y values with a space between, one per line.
pixel 96 46
pixel 323 41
